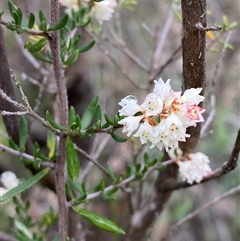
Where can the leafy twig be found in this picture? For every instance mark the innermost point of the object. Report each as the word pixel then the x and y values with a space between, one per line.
pixel 26 156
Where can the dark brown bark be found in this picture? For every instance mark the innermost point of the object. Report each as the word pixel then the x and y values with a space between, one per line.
pixel 193 53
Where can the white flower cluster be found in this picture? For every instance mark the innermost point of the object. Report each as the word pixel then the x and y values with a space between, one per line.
pixel 163 117
pixel 9 181
pixel 194 168
pixel 101 11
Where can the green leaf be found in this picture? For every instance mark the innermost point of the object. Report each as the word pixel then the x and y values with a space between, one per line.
pixel 60 24
pixel 43 26
pixel 40 57
pixel 31 20
pixel 73 163
pixel 86 47
pixel 37 46
pixel 51 143
pixel 108 120
pixel 13 144
pixel 21 30
pixel 72 58
pixel 22 228
pixel 16 18
pixel 53 123
pixel 98 114
pixel 69 191
pixel 112 191
pixel 24 185
pixel 99 221
pixel 81 199
pixel 23 133
pixel 89 113
pixel 42 16
pixel 12 8
pixel 110 171
pixel 71 115
pixel 117 137
pixel 20 18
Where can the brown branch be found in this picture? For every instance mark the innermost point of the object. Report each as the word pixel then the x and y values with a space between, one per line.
pixel 224 169
pixel 63 109
pixel 193 52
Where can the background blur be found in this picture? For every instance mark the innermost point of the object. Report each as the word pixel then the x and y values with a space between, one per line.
pixel 95 73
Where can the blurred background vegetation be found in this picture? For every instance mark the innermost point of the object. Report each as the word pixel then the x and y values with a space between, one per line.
pixel 95 73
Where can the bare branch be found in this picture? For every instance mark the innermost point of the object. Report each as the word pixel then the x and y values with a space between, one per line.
pixel 190 216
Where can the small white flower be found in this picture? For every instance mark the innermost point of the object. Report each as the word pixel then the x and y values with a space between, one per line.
pixel 145 132
pixel 194 168
pixel 70 4
pixel 162 89
pixel 129 105
pixel 103 11
pixel 9 180
pixel 152 105
pixel 130 124
pixel 192 96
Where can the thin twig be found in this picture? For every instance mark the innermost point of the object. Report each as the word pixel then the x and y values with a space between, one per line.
pixel 160 41
pixel 124 182
pixel 115 62
pixel 26 156
pixel 190 216
pixel 30 57
pixel 224 169
pixel 95 162
pixel 31 31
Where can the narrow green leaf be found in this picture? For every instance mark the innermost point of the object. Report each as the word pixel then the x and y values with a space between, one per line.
pixel 89 113
pixel 72 58
pixel 21 30
pixel 117 137
pixel 40 57
pixel 53 123
pixel 71 115
pixel 16 18
pixel 13 144
pixel 42 16
pixel 43 26
pixel 22 228
pixel 108 120
pixel 24 185
pixel 60 24
pixel 31 20
pixel 73 163
pixel 112 191
pixel 23 133
pixel 99 221
pixel 98 114
pixel 20 18
pixel 81 199
pixel 51 143
pixel 110 171
pixel 37 46
pixel 86 47
pixel 69 191
pixel 12 7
